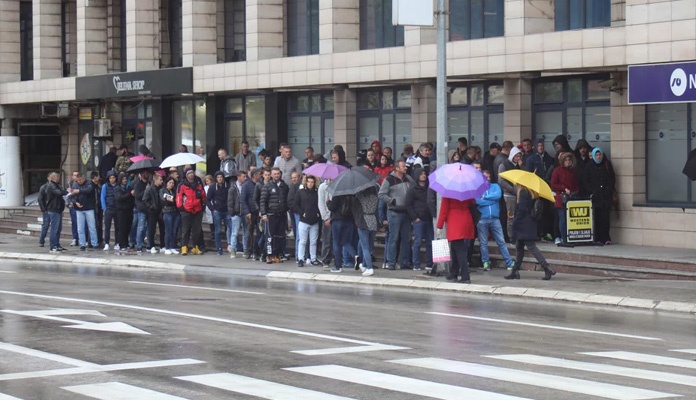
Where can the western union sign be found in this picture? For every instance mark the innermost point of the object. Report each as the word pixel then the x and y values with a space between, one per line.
pixel 579 217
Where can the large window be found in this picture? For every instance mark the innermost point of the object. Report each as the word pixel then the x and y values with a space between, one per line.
pixel 189 127
pixel 376 29
pixel 245 119
pixel 384 115
pixel 671 135
pixel 303 27
pixel 582 14
pixel 476 113
pixel 175 33
pixel 311 123
pixel 475 19
pixel 235 30
pixel 576 107
pixel 26 41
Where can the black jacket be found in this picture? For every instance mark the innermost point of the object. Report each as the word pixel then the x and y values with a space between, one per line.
pixel 124 200
pixel 523 226
pixel 258 189
pixel 247 205
pixel 168 206
pixel 152 198
pixel 233 200
pixel 307 205
pixel 54 198
pixel 86 196
pixel 292 193
pixel 600 181
pixel 217 196
pixel 341 208
pixel 42 197
pixel 274 198
pixel 420 201
pixel 139 188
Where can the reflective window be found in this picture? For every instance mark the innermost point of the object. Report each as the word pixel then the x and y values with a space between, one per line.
pixel 475 19
pixel 475 112
pixel 670 137
pixel 245 119
pixel 376 28
pixel 235 30
pixel 310 123
pixel 582 14
pixel 390 123
pixel 303 27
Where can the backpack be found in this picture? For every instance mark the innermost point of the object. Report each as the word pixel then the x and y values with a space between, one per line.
pixel 538 209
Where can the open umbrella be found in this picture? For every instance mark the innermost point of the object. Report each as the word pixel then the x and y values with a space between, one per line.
pixel 458 181
pixel 352 181
pixel 324 170
pixel 140 158
pixel 529 180
pixel 179 159
pixel 143 164
pixel 690 166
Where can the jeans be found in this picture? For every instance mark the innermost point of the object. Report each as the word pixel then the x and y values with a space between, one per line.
pixel 493 226
pixel 142 227
pixel 172 220
pixel 366 241
pixel 45 222
pixel 73 223
pixel 342 232
pixel 326 244
pixel 154 219
pixel 56 222
pixel 423 230
pixel 295 219
pixel 562 223
pixel 233 231
pixel 305 230
pixel 99 217
pixel 110 215
pixel 399 228
pixel 133 228
pixel 242 246
pixel 251 235
pixel 218 218
pixel 82 217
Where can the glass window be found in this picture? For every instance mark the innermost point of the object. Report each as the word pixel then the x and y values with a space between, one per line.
pixel 235 30
pixel 175 33
pixel 376 28
pixel 183 124
pixel 478 118
pixel 255 121
pixel 575 91
pixel 474 19
pixel 26 38
pixel 307 124
pixel 548 92
pixel 596 92
pixel 368 101
pixel 667 140
pixel 387 100
pixel 235 135
pixel 303 27
pixel 403 99
pixel 582 14
pixel 299 129
pixel 369 131
pixel 458 97
pixel 329 103
pixel 496 94
pixel 477 95
pixel 235 106
pixel 389 124
pixel 200 128
pixel 548 125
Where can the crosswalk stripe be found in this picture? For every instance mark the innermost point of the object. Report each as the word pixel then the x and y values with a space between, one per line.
pixel 688 351
pixel 645 358
pixel 400 383
pixel 656 376
pixel 8 397
pixel 599 389
pixel 119 391
pixel 258 387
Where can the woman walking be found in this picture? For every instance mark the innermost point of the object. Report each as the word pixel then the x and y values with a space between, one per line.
pixel 307 205
pixel 460 230
pixel 600 183
pixel 524 232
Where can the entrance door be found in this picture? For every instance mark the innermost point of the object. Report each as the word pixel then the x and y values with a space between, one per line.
pixel 235 135
pixel 40 153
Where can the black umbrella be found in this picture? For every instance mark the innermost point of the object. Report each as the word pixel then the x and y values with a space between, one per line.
pixel 143 164
pixel 352 181
pixel 690 166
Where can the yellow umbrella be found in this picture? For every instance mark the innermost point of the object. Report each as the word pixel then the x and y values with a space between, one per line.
pixel 529 180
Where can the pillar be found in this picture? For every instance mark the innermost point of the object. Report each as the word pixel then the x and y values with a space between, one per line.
pixel 525 17
pixel 423 114
pixel 91 37
pixel 47 39
pixel 339 26
pixel 199 32
pixel 142 30
pixel 345 122
pixel 10 63
pixel 264 29
pixel 518 109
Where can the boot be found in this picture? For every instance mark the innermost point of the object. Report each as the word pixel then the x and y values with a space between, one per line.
pixel 548 272
pixel 196 251
pixel 184 250
pixel 514 274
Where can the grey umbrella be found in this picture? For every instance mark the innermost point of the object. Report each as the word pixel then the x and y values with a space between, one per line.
pixel 352 181
pixel 143 164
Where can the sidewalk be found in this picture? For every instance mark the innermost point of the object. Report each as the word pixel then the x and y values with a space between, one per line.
pixel 664 295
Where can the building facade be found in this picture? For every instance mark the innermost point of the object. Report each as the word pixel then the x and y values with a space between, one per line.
pixel 211 73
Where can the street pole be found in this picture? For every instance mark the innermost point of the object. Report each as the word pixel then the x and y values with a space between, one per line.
pixel 441 88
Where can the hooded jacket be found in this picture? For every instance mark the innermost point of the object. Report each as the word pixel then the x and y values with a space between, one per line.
pixel 489 204
pixel 216 200
pixel 124 200
pixel 565 147
pixel 564 178
pixel 190 196
pixel 393 192
pixel 139 189
pixel 364 210
pixel 600 181
pixel 508 165
pixel 420 200
pixel 582 163
pixel 228 167
pixel 108 200
pixel 383 171
pixel 306 204
pixel 539 164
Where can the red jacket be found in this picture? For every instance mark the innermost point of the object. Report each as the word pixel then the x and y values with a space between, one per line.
pixel 563 178
pixel 384 172
pixel 190 197
pixel 460 224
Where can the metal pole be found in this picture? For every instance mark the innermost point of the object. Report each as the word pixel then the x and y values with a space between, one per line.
pixel 441 87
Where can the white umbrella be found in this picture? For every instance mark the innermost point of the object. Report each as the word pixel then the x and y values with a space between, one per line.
pixel 181 159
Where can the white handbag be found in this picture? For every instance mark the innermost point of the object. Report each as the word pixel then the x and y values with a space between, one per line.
pixel 441 250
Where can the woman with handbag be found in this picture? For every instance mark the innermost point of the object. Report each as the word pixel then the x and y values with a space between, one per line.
pixel 564 181
pixel 600 180
pixel 524 233
pixel 460 230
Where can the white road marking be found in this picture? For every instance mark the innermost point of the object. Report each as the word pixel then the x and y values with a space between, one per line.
pixel 118 327
pixel 345 350
pixel 8 397
pixel 656 376
pixel 46 356
pixel 119 391
pixel 688 351
pixel 548 381
pixel 400 383
pixel 98 368
pixel 7 272
pixel 195 287
pixel 258 388
pixel 560 328
pixel 645 358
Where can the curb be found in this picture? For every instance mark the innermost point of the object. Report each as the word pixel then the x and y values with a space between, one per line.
pixel 531 293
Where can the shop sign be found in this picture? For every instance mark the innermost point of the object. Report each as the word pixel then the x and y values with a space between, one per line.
pixel 662 83
pixel 579 218
pixel 85 149
pixel 85 113
pixel 172 81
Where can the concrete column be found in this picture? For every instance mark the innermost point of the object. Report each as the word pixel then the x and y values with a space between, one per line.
pixel 345 122
pixel 10 63
pixel 423 114
pixel 518 109
pixel 524 17
pixel 339 26
pixel 199 32
pixel 91 37
pixel 47 39
pixel 264 29
pixel 142 29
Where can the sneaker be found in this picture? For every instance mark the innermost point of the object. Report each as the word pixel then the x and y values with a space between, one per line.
pixel 557 241
pixel 106 247
pixel 116 247
pixel 368 272
pixel 362 268
pixel 356 264
pixel 416 268
pixel 54 251
pixel 233 254
pixel 83 248
pixel 174 251
pixel 59 248
pixel 429 268
pixel 391 267
pixel 153 250
pixel 139 251
pixel 300 264
pixel 336 270
pixel 73 243
pixel 547 238
pixel 41 245
pixel 510 265
pixel 316 263
pixel 167 252
pixel 486 266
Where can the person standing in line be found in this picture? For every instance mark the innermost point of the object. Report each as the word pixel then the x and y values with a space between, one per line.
pixel 601 184
pixel 234 213
pixel 460 230
pixel 108 204
pixel 139 188
pixel 524 232
pixel 45 220
pixel 294 214
pixel 171 216
pixel 421 206
pixel 366 221
pixel 245 158
pixel 326 239
pixel 287 163
pixel 307 206
pixel 342 230
pixel 564 181
pixel 258 189
pixel 489 207
pixel 228 164
pixel 71 206
pixel 393 194
pixel 514 161
pixel 250 212
pixel 55 205
pixel 216 200
pixel 274 207
pixel 85 202
pixel 154 204
pixel 125 202
pixel 98 210
pixel 190 199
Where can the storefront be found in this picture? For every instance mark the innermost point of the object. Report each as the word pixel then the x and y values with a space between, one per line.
pixel 476 112
pixel 384 115
pixel 311 122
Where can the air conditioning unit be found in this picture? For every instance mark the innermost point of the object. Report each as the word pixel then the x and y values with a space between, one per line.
pixel 102 127
pixel 49 110
pixel 63 110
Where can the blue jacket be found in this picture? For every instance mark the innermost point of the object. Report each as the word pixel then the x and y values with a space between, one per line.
pixel 489 203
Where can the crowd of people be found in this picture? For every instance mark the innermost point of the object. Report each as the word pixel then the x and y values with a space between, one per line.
pixel 269 202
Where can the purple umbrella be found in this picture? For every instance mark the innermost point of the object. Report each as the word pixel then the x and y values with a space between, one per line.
pixel 458 181
pixel 324 170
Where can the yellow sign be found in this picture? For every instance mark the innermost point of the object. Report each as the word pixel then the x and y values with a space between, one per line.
pixel 579 218
pixel 85 113
pixel 85 149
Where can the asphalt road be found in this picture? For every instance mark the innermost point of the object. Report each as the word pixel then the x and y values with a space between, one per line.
pixel 101 333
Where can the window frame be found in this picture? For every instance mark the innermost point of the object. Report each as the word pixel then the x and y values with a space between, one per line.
pixel 176 42
pixel 26 40
pixel 231 47
pixel 309 30
pixel 239 116
pixel 487 108
pixel 382 19
pixel 464 7
pixel 324 113
pixel 380 112
pixel 580 9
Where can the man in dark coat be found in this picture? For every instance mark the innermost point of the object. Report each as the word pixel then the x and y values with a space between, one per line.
pixel 274 206
pixel 108 162
pixel 217 203
pixel 421 202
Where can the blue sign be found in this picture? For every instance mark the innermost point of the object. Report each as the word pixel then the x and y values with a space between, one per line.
pixel 662 83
